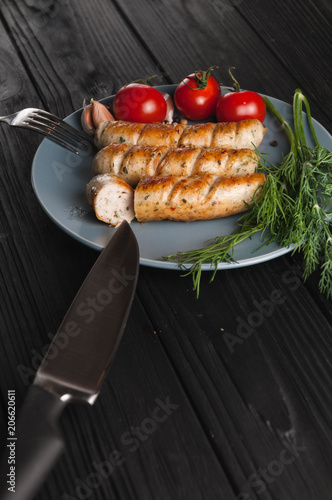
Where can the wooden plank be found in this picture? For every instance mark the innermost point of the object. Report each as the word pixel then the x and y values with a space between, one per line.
pixel 238 411
pixel 264 381
pixel 291 38
pixel 102 54
pixel 201 35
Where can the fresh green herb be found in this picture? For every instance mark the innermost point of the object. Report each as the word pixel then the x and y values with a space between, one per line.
pixel 292 209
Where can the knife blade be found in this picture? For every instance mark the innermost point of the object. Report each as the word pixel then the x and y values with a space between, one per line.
pixel 76 362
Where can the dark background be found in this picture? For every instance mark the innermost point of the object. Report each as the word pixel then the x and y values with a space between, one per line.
pixel 248 421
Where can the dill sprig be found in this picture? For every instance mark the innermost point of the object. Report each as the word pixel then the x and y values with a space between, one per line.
pixel 292 208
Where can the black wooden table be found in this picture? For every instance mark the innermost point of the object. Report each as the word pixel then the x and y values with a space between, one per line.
pixel 183 413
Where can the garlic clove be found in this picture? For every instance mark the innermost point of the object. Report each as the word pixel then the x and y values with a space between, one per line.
pixel 86 119
pixel 170 107
pixel 93 114
pixel 100 113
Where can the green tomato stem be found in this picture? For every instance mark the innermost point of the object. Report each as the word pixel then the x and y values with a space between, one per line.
pixel 147 81
pixel 201 78
pixel 236 84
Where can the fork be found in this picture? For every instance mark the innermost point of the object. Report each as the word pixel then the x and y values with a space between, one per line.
pixel 51 126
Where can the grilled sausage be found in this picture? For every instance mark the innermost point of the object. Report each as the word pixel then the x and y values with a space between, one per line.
pixel 133 163
pixel 246 134
pixel 194 198
pixel 112 199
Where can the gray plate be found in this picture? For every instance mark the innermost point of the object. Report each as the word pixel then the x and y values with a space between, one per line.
pixel 59 179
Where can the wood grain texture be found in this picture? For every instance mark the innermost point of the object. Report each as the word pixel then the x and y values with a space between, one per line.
pixel 291 36
pixel 222 368
pixel 247 366
pixel 71 52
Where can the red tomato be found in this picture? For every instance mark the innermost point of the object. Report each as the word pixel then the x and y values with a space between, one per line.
pixel 197 95
pixel 138 102
pixel 236 106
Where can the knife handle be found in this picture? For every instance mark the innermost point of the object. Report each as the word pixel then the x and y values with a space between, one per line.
pixel 37 446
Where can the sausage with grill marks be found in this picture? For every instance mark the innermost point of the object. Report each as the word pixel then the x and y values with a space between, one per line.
pixel 194 198
pixel 246 134
pixel 133 163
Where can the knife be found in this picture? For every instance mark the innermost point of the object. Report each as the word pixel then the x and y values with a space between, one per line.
pixel 75 364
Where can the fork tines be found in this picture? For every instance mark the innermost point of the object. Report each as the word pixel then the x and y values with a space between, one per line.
pixel 57 130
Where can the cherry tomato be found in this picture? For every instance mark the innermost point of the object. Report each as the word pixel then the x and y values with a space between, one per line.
pixel 240 104
pixel 197 95
pixel 236 106
pixel 138 102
